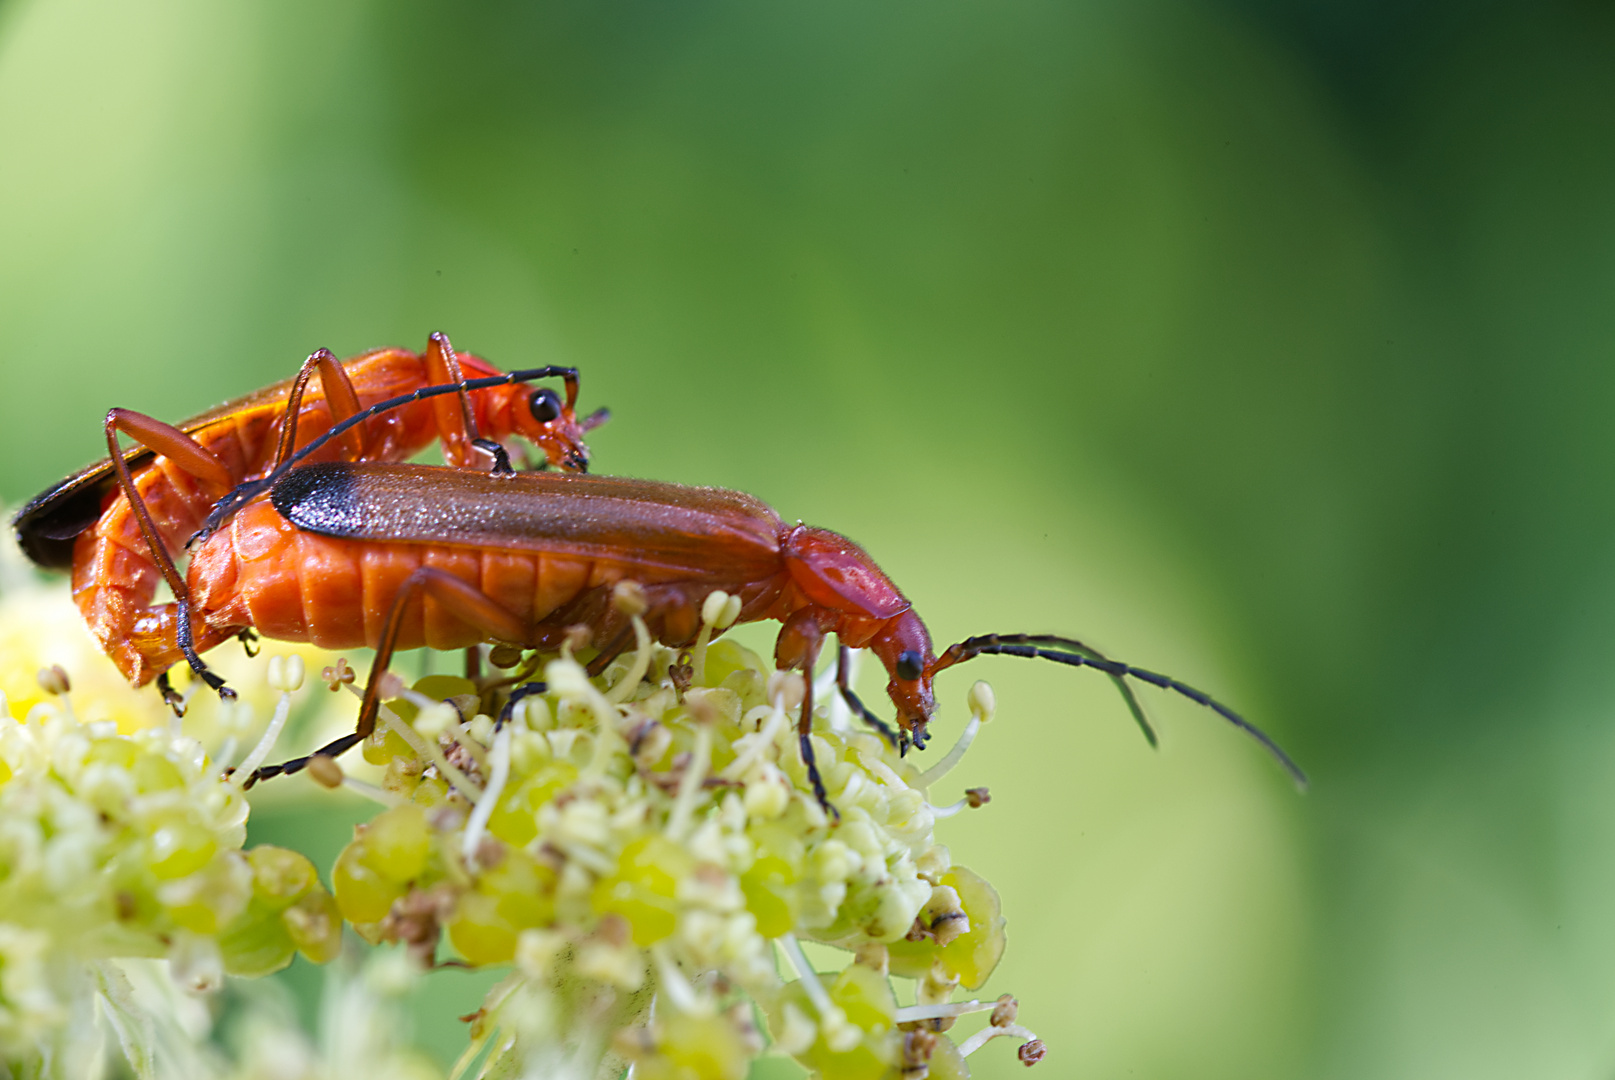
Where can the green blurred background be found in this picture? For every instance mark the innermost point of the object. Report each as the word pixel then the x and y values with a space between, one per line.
pixel 1266 342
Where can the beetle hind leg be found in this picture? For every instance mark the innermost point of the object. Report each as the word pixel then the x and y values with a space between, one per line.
pixel 525 690
pixel 334 748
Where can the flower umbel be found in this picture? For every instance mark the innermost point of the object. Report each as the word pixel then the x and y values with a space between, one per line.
pixel 644 846
pixel 642 850
pixel 117 846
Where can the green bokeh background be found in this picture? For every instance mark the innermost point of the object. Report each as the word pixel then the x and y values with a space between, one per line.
pixel 1266 343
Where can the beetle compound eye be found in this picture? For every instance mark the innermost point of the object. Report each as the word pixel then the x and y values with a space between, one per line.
pixel 545 404
pixel 909 665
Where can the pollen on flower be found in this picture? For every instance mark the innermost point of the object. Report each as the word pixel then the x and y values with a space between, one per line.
pixel 642 848
pixel 122 840
pixel 117 846
pixel 650 835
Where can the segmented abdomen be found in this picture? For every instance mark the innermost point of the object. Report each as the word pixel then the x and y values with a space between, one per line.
pixel 263 572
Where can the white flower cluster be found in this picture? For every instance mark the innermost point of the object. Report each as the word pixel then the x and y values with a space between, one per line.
pixel 118 846
pixel 643 850
pixel 651 835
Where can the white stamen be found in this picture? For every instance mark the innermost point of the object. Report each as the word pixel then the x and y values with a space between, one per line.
pixel 588 857
pixel 259 753
pixel 987 1034
pixel 909 1013
pixel 757 745
pixel 952 757
pixel 695 774
pixel 422 702
pixel 712 610
pixel 465 740
pixel 227 750
pixel 428 750
pixel 286 673
pixel 804 971
pixel 371 792
pixel 499 766
pixel 947 811
pixel 630 682
pixel 673 982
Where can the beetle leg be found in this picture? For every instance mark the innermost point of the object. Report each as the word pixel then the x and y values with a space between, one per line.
pixel 185 638
pixel 501 456
pixel 843 683
pixel 465 601
pixel 334 748
pixel 195 459
pixel 169 441
pixel 456 420
pixel 614 648
pixel 804 732
pixel 171 697
pixel 340 398
pixel 522 691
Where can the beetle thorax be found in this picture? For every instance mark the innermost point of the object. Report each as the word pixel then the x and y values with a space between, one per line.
pixel 836 574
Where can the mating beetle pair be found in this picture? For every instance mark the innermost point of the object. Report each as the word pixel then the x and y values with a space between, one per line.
pixel 336 543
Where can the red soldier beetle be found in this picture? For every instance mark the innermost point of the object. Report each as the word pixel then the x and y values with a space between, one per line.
pixel 525 558
pixel 117 546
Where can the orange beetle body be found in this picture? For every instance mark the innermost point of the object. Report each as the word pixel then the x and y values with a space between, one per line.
pixel 87 523
pixel 325 557
pixel 338 553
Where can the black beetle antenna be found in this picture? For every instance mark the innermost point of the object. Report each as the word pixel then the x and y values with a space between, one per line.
pixel 1036 646
pixel 228 505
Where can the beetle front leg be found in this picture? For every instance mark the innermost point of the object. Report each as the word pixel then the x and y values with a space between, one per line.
pixel 797 648
pixel 844 685
pixel 804 738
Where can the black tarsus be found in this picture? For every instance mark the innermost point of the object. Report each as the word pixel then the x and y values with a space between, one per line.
pixel 804 731
pixel 843 679
pixel 804 740
pixel 525 690
pixel 171 697
pixel 1022 645
pixel 187 645
pixel 332 749
pixel 501 456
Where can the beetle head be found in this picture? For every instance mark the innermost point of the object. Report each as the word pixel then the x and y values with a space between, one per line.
pixel 904 647
pixel 551 423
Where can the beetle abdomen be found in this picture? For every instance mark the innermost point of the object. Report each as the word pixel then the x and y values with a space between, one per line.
pixel 265 573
